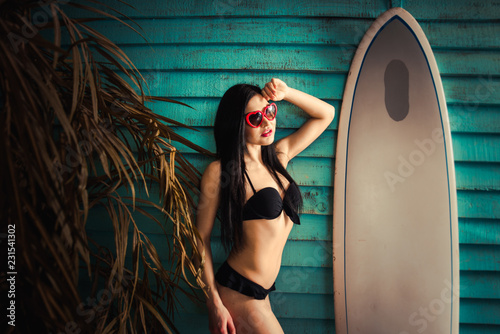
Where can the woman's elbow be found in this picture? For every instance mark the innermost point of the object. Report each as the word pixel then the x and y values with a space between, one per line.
pixel 330 114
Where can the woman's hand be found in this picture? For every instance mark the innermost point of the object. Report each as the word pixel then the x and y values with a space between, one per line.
pixel 220 321
pixel 275 90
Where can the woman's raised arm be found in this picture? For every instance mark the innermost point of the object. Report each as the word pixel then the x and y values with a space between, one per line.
pixel 321 113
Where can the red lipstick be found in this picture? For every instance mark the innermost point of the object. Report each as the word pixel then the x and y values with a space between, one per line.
pixel 267 134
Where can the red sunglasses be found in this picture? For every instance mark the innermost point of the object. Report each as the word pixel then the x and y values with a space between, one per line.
pixel 255 118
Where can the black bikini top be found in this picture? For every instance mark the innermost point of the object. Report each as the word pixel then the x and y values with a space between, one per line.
pixel 267 203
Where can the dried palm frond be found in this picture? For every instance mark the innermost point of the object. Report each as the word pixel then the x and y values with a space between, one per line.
pixel 74 135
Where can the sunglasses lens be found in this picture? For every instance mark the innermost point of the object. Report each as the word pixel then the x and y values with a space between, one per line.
pixel 271 111
pixel 255 119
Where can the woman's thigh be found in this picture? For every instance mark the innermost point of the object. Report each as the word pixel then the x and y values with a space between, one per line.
pixel 250 315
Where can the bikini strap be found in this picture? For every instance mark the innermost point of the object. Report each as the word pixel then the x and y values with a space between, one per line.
pixel 251 185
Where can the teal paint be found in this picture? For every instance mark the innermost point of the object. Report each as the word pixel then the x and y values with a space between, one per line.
pixel 480 284
pixel 397 3
pixel 303 58
pixel 199 49
pixel 466 90
pixel 223 9
pixel 338 31
pixel 453 9
pixel 250 8
pixel 480 231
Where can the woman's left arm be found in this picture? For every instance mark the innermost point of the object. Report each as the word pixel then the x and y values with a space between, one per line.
pixel 321 113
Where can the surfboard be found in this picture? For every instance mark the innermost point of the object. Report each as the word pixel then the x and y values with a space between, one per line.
pixel 395 249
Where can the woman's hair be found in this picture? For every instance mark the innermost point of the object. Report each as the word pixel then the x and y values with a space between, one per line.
pixel 229 131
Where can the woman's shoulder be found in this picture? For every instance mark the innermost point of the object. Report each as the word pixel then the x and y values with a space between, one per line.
pixel 211 175
pixel 213 169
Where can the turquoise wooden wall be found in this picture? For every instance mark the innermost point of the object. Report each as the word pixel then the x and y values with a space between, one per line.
pixel 200 48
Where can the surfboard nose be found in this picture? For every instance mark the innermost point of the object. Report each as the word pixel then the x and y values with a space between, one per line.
pixel 397 90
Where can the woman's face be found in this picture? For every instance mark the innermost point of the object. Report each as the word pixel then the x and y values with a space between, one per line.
pixel 264 134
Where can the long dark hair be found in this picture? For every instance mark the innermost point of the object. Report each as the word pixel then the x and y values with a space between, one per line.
pixel 229 131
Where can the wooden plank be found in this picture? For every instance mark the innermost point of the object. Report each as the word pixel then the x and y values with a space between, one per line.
pixel 302 306
pixel 470 62
pixel 480 284
pixel 307 254
pixel 215 83
pixel 228 8
pixel 313 227
pixel 275 57
pixel 214 30
pixel 477 176
pixel 478 204
pixel 192 324
pixel 467 91
pixel 480 311
pixel 453 9
pixel 317 200
pixel 286 30
pixel 476 147
pixel 477 119
pixel 427 9
pixel 307 326
pixel 479 329
pixel 472 92
pixel 479 231
pixel 472 34
pixel 271 57
pixel 308 280
pixel 479 257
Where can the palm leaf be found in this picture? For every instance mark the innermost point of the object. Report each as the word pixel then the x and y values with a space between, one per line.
pixel 65 116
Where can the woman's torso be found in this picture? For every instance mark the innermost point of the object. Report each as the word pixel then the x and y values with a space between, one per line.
pixel 259 258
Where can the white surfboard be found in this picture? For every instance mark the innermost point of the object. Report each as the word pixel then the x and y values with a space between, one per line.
pixel 396 268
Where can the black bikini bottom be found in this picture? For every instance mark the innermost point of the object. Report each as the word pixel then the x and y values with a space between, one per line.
pixel 230 278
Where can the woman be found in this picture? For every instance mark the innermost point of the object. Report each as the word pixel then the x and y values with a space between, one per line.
pixel 258 202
